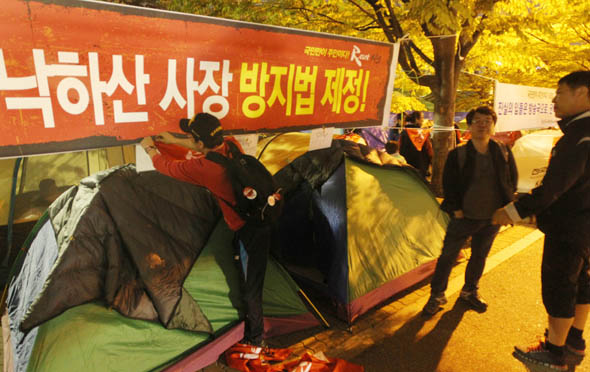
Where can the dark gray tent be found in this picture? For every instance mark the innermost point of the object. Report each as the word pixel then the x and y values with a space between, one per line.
pixel 131 271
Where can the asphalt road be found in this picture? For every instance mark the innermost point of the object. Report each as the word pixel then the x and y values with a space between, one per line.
pixel 397 338
pixel 458 339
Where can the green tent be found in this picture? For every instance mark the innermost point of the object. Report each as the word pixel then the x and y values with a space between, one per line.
pixel 356 227
pixel 83 268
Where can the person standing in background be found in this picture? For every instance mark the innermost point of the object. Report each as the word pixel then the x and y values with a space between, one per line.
pixel 415 144
pixel 478 178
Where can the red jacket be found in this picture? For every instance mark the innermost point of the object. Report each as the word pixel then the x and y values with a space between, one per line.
pixel 198 170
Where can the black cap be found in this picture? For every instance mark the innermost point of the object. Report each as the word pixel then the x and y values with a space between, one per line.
pixel 204 127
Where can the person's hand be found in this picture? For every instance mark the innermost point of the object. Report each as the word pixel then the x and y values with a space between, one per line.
pixel 500 217
pixel 165 137
pixel 147 142
pixel 458 214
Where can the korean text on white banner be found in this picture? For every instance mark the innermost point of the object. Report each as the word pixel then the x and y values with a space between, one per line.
pixel 523 107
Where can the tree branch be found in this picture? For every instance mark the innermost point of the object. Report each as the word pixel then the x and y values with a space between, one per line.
pixel 465 45
pixel 367 13
pixel 379 19
pixel 421 53
pixel 367 28
pixel 396 27
pixel 539 38
pixel 586 36
pixel 305 10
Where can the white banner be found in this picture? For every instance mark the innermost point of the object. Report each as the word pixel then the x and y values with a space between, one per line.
pixel 321 138
pixel 249 143
pixel 389 97
pixel 143 162
pixel 523 107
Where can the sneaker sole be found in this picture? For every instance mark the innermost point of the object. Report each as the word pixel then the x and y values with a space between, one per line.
pixel 574 351
pixel 428 314
pixel 572 358
pixel 532 362
pixel 480 310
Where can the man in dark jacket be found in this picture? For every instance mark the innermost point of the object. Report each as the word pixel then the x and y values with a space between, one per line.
pixel 562 206
pixel 478 178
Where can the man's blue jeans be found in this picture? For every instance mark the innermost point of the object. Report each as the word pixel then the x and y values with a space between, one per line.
pixel 482 234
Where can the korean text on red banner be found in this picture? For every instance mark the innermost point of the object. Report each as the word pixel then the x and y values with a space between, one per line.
pixel 82 74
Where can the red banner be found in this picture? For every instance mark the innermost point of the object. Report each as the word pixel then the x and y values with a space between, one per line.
pixel 84 74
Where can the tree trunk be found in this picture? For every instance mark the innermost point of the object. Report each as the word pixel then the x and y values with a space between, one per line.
pixel 445 90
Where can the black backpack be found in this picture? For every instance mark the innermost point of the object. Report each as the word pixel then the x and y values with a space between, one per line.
pixel 258 199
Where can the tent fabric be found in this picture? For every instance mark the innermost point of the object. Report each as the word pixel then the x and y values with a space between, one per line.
pixel 376 137
pixel 120 238
pixel 276 152
pixel 531 154
pixel 362 224
pixel 28 186
pixel 94 335
pixel 387 208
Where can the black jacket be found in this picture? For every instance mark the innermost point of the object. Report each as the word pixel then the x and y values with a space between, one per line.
pixel 562 201
pixel 419 159
pixel 459 171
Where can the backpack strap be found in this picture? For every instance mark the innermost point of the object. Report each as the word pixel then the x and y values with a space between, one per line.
pixel 233 148
pixel 217 158
pixel 221 160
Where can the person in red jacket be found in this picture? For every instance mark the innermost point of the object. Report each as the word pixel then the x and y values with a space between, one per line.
pixel 252 242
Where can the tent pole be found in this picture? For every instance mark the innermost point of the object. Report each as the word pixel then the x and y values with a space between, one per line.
pixel 87 164
pixel 316 311
pixel 268 143
pixel 11 212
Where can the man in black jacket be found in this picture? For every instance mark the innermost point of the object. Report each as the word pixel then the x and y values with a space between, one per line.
pixel 562 206
pixel 478 178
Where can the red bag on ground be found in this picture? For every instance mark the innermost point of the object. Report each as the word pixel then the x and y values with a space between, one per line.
pixel 249 358
pixel 315 363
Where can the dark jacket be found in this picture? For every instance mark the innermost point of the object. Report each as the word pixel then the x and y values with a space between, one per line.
pixel 562 201
pixel 419 159
pixel 459 171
